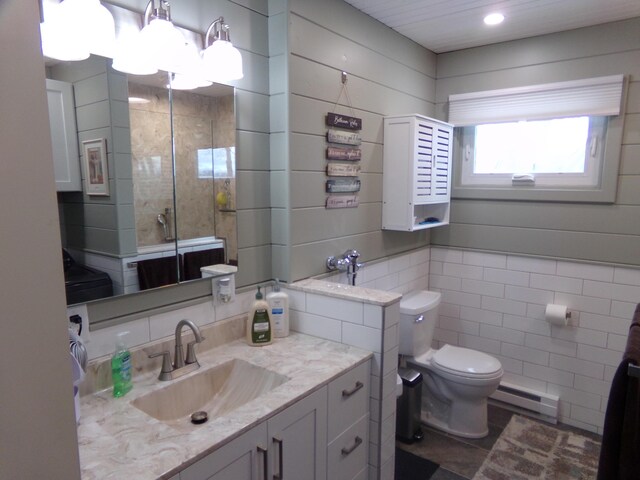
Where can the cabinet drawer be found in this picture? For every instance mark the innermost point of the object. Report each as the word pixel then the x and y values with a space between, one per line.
pixel 348 399
pixel 347 454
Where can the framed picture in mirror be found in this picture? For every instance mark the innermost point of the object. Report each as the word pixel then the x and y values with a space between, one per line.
pixel 94 158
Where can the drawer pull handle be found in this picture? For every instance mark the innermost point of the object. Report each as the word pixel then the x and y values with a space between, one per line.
pixel 265 465
pixel 348 393
pixel 280 474
pixel 346 451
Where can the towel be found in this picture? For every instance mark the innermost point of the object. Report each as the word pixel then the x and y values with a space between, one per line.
pixel 620 452
pixel 193 261
pixel 157 272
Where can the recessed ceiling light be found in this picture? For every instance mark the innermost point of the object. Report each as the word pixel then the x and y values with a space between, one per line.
pixel 494 18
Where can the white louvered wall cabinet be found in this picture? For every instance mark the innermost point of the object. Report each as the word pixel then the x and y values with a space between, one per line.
pixel 416 176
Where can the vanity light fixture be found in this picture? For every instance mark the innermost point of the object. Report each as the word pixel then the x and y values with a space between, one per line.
pixel 192 73
pixel 161 41
pixel 180 81
pixel 130 56
pixel 494 18
pixel 75 28
pixel 222 61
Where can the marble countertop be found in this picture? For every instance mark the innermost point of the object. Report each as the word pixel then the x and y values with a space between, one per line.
pixel 116 440
pixel 347 292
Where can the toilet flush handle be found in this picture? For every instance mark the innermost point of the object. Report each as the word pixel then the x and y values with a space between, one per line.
pixel 419 318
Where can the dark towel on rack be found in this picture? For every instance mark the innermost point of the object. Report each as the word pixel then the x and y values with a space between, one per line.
pixel 157 272
pixel 620 451
pixel 193 261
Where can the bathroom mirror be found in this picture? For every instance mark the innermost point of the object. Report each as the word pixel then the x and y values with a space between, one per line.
pixel 172 182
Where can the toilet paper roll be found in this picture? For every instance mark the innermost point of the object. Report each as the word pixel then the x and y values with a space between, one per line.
pixel 556 314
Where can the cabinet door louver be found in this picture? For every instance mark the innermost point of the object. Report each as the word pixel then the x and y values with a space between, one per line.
pixel 432 163
pixel 443 162
pixel 424 162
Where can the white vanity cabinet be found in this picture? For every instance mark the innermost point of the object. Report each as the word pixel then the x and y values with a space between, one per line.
pixel 323 436
pixel 64 138
pixel 298 439
pixel 416 179
pixel 244 458
pixel 291 444
pixel 348 425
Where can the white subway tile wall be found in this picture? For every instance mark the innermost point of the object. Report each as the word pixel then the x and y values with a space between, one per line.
pixel 401 273
pixel 162 326
pixel 370 327
pixel 495 303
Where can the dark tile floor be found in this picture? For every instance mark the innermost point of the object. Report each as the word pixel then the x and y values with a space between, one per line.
pixel 460 458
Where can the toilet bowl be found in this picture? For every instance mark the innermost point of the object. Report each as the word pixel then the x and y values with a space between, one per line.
pixel 457 381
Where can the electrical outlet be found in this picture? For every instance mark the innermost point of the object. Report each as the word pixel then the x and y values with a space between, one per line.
pixel 81 311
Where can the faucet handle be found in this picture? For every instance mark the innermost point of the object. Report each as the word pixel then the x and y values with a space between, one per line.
pixel 167 367
pixel 352 255
pixel 191 353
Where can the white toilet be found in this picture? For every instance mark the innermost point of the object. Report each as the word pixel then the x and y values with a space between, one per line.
pixel 457 380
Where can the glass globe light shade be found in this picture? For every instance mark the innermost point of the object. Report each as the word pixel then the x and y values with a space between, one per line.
pixel 163 43
pixel 182 81
pixel 190 73
pixel 131 57
pixel 223 62
pixel 102 31
pixel 61 40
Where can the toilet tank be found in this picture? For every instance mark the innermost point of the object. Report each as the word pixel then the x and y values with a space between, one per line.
pixel 418 317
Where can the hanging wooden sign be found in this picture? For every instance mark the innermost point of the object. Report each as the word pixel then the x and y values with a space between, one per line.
pixel 343 121
pixel 343 185
pixel 343 170
pixel 344 153
pixel 342 201
pixel 346 138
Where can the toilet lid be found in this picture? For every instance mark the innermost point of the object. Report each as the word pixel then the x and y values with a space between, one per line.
pixel 465 361
pixel 419 302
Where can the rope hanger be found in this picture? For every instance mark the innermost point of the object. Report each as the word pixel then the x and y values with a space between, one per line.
pixel 345 90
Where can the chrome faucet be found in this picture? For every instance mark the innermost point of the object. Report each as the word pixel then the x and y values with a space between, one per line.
pixel 347 263
pixel 178 360
pixel 181 365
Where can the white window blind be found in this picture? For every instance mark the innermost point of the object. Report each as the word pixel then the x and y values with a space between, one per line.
pixel 599 96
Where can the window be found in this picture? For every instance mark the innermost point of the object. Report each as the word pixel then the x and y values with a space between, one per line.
pixel 563 152
pixel 550 142
pixel 217 162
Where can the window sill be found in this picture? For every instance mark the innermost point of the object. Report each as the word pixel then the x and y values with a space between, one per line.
pixel 535 194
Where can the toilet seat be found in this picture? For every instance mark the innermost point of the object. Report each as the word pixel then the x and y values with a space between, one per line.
pixel 459 366
pixel 463 362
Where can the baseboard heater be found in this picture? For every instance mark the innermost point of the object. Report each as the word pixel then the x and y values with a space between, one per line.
pixel 528 402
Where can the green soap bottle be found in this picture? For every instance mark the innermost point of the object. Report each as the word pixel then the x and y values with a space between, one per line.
pixel 121 367
pixel 259 327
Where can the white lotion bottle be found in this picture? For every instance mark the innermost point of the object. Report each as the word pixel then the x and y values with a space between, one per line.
pixel 279 309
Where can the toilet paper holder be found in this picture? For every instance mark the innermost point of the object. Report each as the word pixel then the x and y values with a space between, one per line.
pixel 557 314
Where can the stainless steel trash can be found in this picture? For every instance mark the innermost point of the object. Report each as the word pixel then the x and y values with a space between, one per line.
pixel 408 428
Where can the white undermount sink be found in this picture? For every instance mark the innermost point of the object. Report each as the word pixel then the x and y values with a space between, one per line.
pixel 217 391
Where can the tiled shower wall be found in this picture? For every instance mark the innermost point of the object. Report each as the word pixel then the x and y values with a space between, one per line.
pixel 495 303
